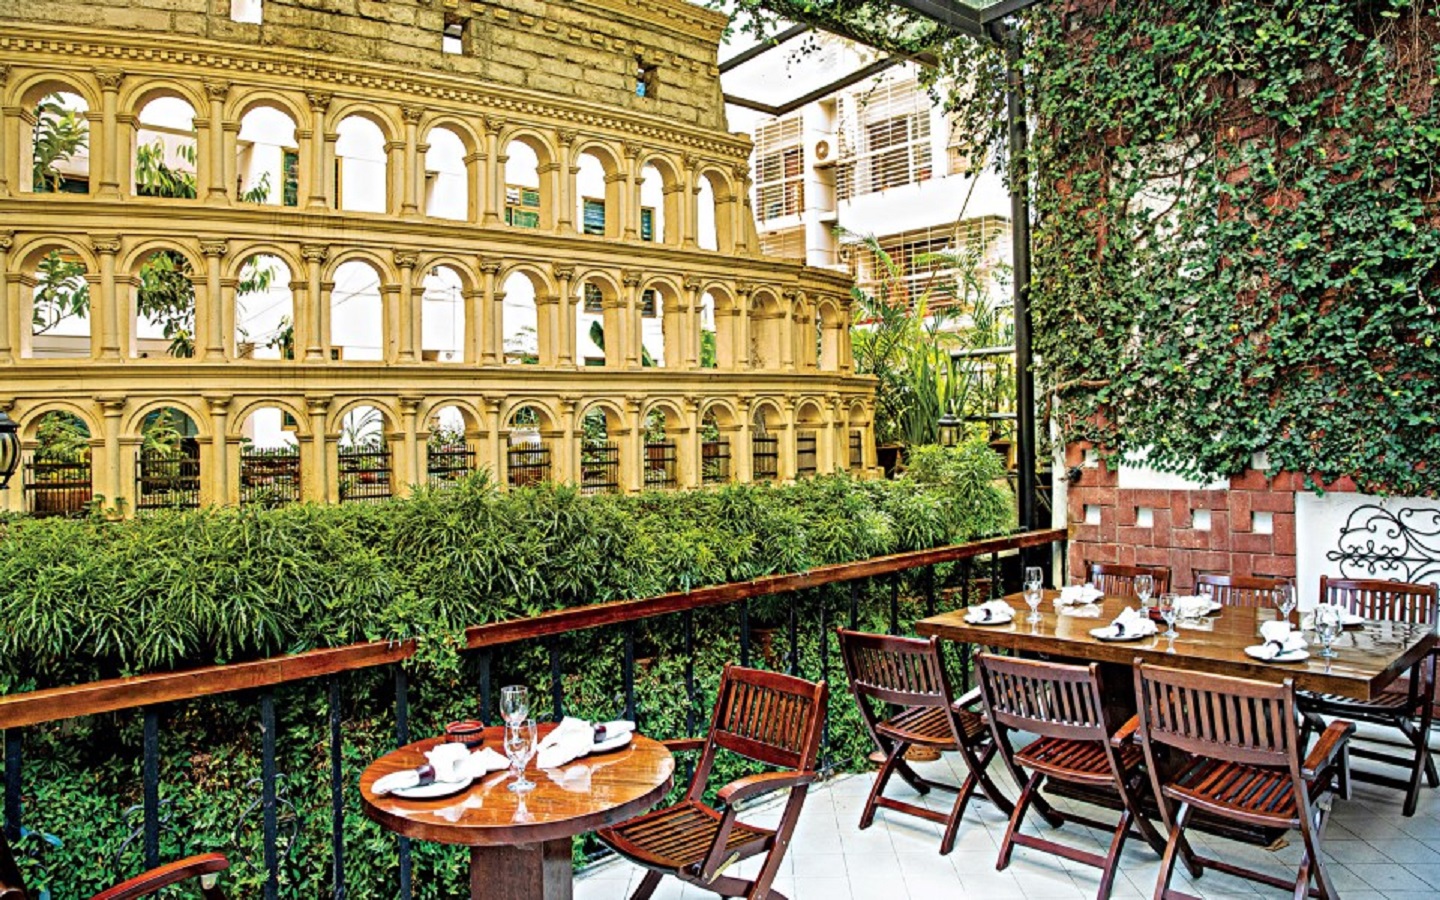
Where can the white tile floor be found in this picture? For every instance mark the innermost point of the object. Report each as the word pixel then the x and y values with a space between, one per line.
pixel 1374 853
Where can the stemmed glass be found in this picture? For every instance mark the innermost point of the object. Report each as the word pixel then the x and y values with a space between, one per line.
pixel 1327 628
pixel 514 704
pixel 1144 589
pixel 520 746
pixel 1168 612
pixel 1285 599
pixel 1034 579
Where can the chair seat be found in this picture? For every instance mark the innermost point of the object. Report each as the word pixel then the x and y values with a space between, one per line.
pixel 680 836
pixel 928 725
pixel 1386 704
pixel 1074 760
pixel 1251 793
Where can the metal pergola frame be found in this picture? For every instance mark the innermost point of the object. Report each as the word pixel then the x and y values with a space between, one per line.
pixel 985 22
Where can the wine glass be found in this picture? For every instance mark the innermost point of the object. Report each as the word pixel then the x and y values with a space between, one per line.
pixel 1168 612
pixel 1285 599
pixel 1327 628
pixel 1034 580
pixel 1144 589
pixel 514 704
pixel 520 746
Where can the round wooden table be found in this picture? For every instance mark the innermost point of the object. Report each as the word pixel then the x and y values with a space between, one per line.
pixel 520 843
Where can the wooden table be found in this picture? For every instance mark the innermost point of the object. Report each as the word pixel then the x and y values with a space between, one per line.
pixel 1368 659
pixel 520 843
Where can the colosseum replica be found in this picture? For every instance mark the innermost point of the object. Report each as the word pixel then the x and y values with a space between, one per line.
pixel 261 251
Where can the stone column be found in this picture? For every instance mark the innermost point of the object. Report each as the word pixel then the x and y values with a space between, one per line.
pixel 565 452
pixel 111 480
pixel 690 325
pixel 471 349
pixel 565 221
pixel 210 319
pixel 107 338
pixel 491 451
pixel 9 314
pixel 786 433
pixel 475 186
pixel 565 335
pixel 319 194
pixel 411 469
pixel 395 177
pixel 687 445
pixel 216 488
pixel 689 201
pixel 217 191
pixel 8 146
pixel 315 466
pixel 630 333
pixel 742 458
pixel 412 174
pixel 547 329
pixel 495 171
pixel 743 293
pixel 230 148
pixel 632 446
pixel 491 336
pixel 408 320
pixel 109 150
pixel 317 316
pixel 14 124
pixel 630 195
pixel 789 306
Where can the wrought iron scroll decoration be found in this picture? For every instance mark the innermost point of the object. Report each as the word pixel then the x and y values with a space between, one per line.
pixel 1402 544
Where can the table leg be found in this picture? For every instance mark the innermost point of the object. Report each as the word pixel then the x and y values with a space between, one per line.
pixel 523 872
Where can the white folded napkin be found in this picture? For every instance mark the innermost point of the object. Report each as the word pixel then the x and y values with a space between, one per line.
pixel 1131 624
pixel 609 731
pixel 1193 606
pixel 1279 639
pixel 1079 594
pixel 992 611
pixel 1081 610
pixel 571 739
pixel 448 762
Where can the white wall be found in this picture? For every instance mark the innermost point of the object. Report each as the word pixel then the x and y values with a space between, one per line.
pixel 1404 527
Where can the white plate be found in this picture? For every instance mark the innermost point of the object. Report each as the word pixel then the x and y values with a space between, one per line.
pixel 432 790
pixel 1350 620
pixel 614 743
pixel 1105 634
pixel 1257 652
pixel 1003 621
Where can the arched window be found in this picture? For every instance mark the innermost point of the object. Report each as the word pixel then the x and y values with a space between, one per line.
pixel 58 475
pixel 167 466
pixel 357 313
pixel 269 459
pixel 447 184
pixel 599 452
pixel 60 318
pixel 449 455
pixel 716 428
pixel 660 451
pixel 706 233
pixel 527 447
pixel 442 316
pixel 165 150
pixel 264 309
pixel 520 323
pixel 363 456
pixel 267 158
pixel 599 324
pixel 524 200
pixel 765 326
pixel 165 306
pixel 709 348
pixel 361 172
pixel 764 446
pixel 56 158
pixel 653 219
pixel 596 197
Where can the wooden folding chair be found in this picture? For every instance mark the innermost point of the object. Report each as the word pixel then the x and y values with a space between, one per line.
pixel 1239 590
pixel 205 867
pixel 1077 743
pixel 1409 706
pixel 1119 581
pixel 1240 748
pixel 909 676
pixel 767 717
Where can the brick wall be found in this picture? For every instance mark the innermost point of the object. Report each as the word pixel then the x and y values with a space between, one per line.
pixel 1235 542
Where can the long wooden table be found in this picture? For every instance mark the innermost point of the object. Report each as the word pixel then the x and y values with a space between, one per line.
pixel 1369 657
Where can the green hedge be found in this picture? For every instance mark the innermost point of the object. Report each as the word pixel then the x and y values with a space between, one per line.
pixel 82 600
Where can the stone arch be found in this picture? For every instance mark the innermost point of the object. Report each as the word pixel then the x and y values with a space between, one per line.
pixel 192 408
pixel 27 95
pixel 604 452
pixel 375 114
pixel 599 179
pixel 157 139
pixel 51 272
pixel 169 475
pixel 267 135
pixel 832 323
pixel 389 416
pixel 529 431
pixel 666 197
pixel 470 413
pixel 442 291
pixel 162 308
pixel 364 433
pixel 30 417
pixel 239 253
pixel 767 421
pixel 364 136
pixel 518 177
pixel 137 254
pixel 238 416
pixel 666 343
pixel 28 251
pixel 766 325
pixel 361 319
pixel 447 429
pixel 248 99
pixel 602 288
pixel 448 166
pixel 810 455
pixel 27 91
pixel 526 332
pixel 269 462
pixel 718 312
pixel 664 429
pixel 715 216
pixel 549 416
pixel 135 96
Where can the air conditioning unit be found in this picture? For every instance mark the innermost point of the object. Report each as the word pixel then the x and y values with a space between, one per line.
pixel 823 154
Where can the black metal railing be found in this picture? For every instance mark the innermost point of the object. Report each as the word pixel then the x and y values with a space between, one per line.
pixel 660 459
pixel 806 455
pixel 270 476
pixel 828 596
pixel 715 462
pixel 364 474
pixel 448 464
pixel 58 486
pixel 167 480
pixel 764 458
pixel 857 451
pixel 599 467
pixel 527 464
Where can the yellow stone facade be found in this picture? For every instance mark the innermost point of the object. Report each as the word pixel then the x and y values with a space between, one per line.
pixel 555 76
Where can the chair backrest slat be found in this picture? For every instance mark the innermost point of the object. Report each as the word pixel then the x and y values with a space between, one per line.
pixel 899 670
pixel 1216 716
pixel 1386 601
pixel 1239 590
pixel 1047 699
pixel 769 717
pixel 1119 581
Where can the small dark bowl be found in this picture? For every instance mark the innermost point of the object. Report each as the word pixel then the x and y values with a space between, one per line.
pixel 470 733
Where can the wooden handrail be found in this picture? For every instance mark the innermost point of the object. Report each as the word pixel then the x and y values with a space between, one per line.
pixel 51 704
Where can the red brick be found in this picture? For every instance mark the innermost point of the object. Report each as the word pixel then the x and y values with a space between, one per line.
pixel 1210 561
pixel 1075 453
pixel 1161 536
pixel 1125 555
pixel 1099 552
pixel 1125 515
pixel 1251 480
pixel 1284 532
pixel 1252 543
pixel 1153 556
pixel 1240 510
pixel 1343 485
pixel 1274 566
pixel 1181 502
pixel 1102 496
pixel 1220 522
pixel 1132 534
pixel 1085 534
pixel 1162 518
pixel 1287 481
pixel 1152 498
pixel 1190 539
pixel 1238 564
pixel 1273 501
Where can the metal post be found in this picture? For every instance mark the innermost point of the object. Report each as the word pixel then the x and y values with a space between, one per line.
pixel 269 807
pixel 402 737
pixel 150 786
pixel 14 758
pixel 337 794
